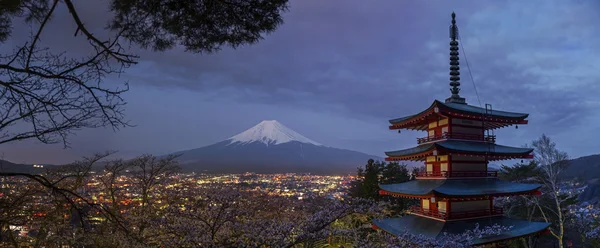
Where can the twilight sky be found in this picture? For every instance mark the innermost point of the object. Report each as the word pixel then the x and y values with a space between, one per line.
pixel 337 70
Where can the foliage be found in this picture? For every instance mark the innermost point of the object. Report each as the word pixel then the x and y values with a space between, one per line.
pixel 198 25
pixel 144 203
pixel 529 172
pixel 586 224
pixel 408 240
pixel 375 173
pixel 48 94
pixel 554 204
pixel 552 162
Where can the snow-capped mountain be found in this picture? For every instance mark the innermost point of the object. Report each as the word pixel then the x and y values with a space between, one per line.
pixel 271 147
pixel 270 132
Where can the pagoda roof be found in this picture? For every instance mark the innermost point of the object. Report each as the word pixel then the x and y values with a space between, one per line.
pixel 495 152
pixel 466 108
pixel 459 187
pixel 431 228
pixel 493 118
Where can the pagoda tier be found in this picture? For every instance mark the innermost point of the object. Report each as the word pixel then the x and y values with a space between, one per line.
pixel 431 228
pixel 458 188
pixel 458 149
pixel 457 113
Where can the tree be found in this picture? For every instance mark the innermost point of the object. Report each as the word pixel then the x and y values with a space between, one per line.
pixel 552 162
pixel 49 94
pixel 394 173
pixel 48 198
pixel 554 205
pixel 586 224
pixel 144 202
pixel 407 240
pixel 368 178
pixel 521 207
pixel 375 173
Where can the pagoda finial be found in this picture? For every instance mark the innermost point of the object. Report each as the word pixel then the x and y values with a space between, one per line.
pixel 454 68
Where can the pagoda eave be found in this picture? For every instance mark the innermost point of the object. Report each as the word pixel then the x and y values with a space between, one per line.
pixel 419 121
pixel 431 228
pixel 495 157
pixel 416 157
pixel 408 196
pixel 491 119
pixel 459 188
pixel 487 195
pixel 489 124
pixel 423 156
pixel 491 151
pixel 535 192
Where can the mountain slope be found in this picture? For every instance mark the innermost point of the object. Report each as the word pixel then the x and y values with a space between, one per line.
pixel 6 166
pixel 591 194
pixel 584 168
pixel 271 147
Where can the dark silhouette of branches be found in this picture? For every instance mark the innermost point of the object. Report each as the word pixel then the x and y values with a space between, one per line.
pixel 198 25
pixel 54 94
pixel 47 95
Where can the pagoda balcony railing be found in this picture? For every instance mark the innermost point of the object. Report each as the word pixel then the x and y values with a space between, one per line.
pixel 428 212
pixel 460 136
pixel 476 213
pixel 456 215
pixel 448 174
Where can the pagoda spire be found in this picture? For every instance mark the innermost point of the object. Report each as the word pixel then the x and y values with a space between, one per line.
pixel 454 64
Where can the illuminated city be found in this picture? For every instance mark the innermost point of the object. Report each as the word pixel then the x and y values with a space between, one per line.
pixel 274 124
pixel 290 185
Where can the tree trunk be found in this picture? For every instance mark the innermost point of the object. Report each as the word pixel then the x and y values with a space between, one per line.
pixel 561 222
pixel 560 242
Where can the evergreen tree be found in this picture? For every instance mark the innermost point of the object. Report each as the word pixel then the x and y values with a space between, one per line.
pixel 375 173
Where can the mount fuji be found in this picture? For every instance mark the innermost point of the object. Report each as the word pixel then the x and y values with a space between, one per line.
pixel 271 147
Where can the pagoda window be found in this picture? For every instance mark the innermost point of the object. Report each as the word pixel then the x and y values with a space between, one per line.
pixel 429 167
pixel 445 129
pixel 433 124
pixel 443 122
pixel 442 206
pixel 431 133
pixel 425 204
pixel 444 166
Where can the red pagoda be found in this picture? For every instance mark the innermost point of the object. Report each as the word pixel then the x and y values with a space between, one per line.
pixel 456 190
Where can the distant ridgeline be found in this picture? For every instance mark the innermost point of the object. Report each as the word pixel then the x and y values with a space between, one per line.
pixel 6 166
pixel 583 168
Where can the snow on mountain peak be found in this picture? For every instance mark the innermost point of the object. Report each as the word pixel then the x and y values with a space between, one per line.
pixel 270 132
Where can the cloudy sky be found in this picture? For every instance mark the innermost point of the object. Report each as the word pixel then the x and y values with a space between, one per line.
pixel 337 70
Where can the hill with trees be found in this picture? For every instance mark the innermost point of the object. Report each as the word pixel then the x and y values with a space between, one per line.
pixel 583 168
